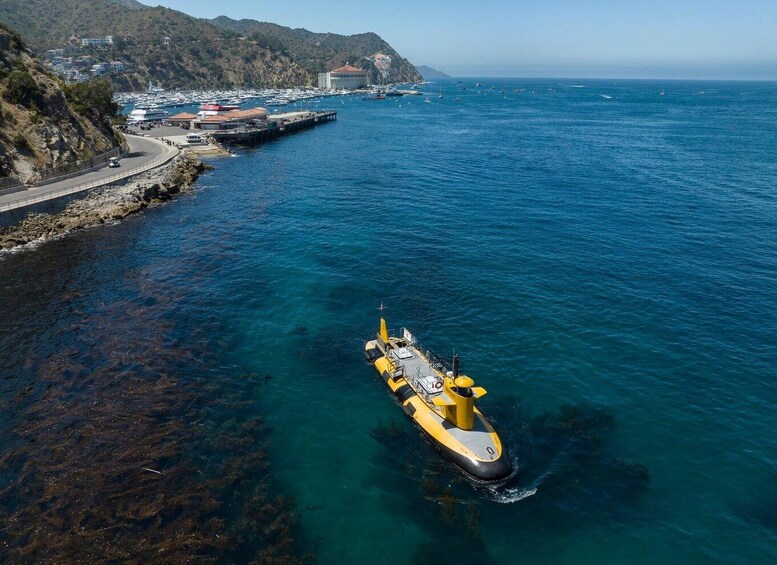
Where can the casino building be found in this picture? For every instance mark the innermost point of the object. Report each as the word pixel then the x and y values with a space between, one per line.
pixel 347 78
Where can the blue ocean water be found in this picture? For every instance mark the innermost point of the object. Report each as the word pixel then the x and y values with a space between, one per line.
pixel 602 257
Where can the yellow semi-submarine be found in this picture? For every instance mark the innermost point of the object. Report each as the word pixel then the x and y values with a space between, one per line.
pixel 441 402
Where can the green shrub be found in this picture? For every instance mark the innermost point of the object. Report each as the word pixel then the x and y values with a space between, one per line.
pixel 21 88
pixel 93 99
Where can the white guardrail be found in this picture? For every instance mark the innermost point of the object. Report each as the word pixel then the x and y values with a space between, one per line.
pixel 53 195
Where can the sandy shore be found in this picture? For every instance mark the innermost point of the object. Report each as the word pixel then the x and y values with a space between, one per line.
pixel 107 204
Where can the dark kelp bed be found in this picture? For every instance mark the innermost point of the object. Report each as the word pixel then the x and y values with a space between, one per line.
pixel 127 447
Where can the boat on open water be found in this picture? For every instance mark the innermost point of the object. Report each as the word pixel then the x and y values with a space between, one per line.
pixel 441 401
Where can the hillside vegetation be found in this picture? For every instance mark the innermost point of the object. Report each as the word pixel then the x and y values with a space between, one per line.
pixel 43 125
pixel 198 53
pixel 320 52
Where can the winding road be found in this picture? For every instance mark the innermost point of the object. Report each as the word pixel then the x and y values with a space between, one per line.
pixel 144 154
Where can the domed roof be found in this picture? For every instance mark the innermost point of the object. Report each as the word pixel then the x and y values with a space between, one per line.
pixel 347 69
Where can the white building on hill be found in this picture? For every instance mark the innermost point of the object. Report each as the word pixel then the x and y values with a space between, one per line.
pixel 346 77
pixel 97 42
pixel 100 69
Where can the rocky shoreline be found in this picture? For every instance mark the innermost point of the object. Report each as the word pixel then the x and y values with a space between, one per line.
pixel 108 204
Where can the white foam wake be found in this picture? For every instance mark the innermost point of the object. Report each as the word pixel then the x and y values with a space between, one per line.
pixel 510 495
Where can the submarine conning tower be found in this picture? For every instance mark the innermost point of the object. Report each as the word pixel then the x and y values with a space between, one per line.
pixel 462 392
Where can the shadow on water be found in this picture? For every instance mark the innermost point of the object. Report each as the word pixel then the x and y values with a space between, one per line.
pixel 136 446
pixel 568 465
pixel 423 486
pixel 568 474
pixel 761 509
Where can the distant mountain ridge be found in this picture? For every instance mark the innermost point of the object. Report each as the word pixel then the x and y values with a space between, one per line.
pixel 179 51
pixel 430 73
pixel 131 4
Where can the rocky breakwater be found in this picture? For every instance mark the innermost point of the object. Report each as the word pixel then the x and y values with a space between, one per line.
pixel 108 204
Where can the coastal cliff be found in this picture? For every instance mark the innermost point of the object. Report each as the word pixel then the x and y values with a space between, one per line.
pixel 42 123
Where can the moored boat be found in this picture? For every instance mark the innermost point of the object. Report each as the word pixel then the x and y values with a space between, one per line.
pixel 441 401
pixel 146 114
pixel 214 109
pixel 277 101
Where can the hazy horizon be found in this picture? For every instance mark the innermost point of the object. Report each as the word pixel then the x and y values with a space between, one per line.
pixel 746 74
pixel 660 39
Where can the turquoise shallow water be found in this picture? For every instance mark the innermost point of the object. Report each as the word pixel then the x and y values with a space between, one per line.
pixel 605 267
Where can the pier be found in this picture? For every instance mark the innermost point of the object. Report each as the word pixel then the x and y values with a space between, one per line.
pixel 277 125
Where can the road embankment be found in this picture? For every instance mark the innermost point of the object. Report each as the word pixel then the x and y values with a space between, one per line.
pixel 107 204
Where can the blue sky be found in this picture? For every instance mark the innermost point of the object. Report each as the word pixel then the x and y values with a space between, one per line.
pixel 596 38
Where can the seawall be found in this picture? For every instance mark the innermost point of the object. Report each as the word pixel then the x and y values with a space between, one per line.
pixel 53 218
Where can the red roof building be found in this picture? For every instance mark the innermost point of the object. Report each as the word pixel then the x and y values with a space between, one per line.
pixel 347 70
pixel 232 119
pixel 182 118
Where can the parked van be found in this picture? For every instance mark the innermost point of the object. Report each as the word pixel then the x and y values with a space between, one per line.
pixel 194 138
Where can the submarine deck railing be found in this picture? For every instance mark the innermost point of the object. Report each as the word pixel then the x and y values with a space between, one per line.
pixel 441 364
pixel 436 363
pixel 397 369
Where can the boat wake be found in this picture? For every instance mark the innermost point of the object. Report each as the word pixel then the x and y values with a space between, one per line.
pixel 510 495
pixel 507 495
pixel 504 494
